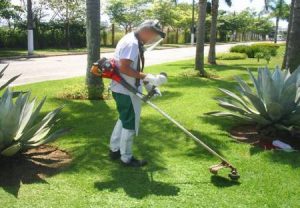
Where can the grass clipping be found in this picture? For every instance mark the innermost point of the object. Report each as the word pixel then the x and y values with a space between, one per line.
pixel 80 92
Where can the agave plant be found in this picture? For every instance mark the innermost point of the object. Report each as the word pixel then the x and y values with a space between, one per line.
pixel 274 101
pixel 20 127
pixel 8 81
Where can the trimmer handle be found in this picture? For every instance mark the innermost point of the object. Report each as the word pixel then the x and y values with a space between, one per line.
pixel 152 92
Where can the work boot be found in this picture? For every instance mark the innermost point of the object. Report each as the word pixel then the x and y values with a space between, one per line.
pixel 114 155
pixel 133 162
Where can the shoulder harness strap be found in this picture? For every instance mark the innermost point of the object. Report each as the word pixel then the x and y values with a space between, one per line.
pixel 141 62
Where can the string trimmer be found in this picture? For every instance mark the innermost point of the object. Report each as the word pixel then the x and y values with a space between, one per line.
pixel 107 69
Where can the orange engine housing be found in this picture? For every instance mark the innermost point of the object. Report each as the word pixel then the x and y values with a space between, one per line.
pixel 106 68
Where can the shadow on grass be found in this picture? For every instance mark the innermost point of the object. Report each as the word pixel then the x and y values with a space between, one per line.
pixel 223 182
pixel 279 156
pixel 136 183
pixel 31 167
pixel 139 183
pixel 92 123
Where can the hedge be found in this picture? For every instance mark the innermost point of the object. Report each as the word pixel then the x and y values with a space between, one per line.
pixel 251 50
pixel 231 56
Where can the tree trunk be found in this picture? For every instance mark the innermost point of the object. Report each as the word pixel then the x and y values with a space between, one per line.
pixel 276 30
pixel 94 84
pixel 30 28
pixel 177 35
pixel 112 34
pixel 185 36
pixel 36 33
pixel 288 35
pixel 199 59
pixel 293 55
pixel 213 32
pixel 168 36
pixel 67 28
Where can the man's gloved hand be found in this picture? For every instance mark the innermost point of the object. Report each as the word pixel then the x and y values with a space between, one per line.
pixel 156 80
pixel 149 87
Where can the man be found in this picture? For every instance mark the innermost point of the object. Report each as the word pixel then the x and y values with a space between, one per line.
pixel 129 56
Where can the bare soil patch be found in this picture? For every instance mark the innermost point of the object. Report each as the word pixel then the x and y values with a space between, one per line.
pixel 32 166
pixel 251 135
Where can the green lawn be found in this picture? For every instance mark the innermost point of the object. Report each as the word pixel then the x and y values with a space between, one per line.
pixel 177 174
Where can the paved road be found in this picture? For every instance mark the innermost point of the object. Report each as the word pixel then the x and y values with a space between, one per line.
pixel 61 67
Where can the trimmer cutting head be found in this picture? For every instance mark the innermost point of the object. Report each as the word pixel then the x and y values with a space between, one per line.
pixel 233 175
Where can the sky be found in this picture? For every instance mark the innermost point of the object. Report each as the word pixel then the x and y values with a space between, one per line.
pixel 237 5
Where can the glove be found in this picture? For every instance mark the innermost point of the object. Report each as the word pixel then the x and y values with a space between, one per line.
pixel 157 92
pixel 156 80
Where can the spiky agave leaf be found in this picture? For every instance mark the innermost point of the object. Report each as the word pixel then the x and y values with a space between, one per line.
pixel 2 70
pixel 275 101
pixel 8 81
pixel 11 150
pixel 50 138
pixel 229 114
pixel 19 128
pixel 9 117
pixel 40 126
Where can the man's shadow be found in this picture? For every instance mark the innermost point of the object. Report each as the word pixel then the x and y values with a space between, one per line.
pixel 137 183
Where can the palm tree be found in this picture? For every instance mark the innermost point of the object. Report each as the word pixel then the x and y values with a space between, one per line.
pixel 293 52
pixel 288 35
pixel 199 59
pixel 213 30
pixel 94 84
pixel 279 10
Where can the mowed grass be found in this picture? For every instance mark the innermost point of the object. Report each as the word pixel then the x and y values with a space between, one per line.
pixel 177 174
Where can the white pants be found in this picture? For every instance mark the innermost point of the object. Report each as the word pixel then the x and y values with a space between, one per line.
pixel 122 139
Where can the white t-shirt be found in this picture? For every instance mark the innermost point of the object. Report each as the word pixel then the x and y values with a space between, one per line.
pixel 127 48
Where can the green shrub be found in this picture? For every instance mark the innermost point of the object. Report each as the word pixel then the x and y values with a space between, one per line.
pixel 267 57
pixel 241 49
pixel 251 50
pixel 80 92
pixel 265 48
pixel 259 56
pixel 231 56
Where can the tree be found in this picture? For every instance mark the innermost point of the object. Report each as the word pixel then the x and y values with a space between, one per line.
pixel 213 30
pixel 183 19
pixel 199 59
pixel 68 11
pixel 94 84
pixel 9 11
pixel 293 53
pixel 126 13
pixel 165 16
pixel 253 25
pixel 262 26
pixel 288 34
pixel 279 10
